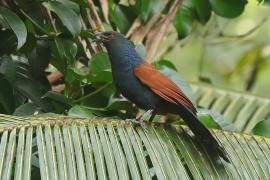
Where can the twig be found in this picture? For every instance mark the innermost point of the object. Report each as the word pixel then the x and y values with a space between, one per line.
pixel 156 35
pixel 54 77
pixel 248 32
pixel 105 9
pixel 51 20
pixel 93 25
pixel 92 94
pixel 4 3
pixel 95 16
pixel 168 49
pixel 252 76
pixel 58 88
pixel 88 42
pixel 140 34
pixel 135 26
pixel 241 36
pixel 34 22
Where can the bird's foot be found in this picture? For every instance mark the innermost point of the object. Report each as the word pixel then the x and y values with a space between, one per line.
pixel 147 114
pixel 131 121
pixel 139 122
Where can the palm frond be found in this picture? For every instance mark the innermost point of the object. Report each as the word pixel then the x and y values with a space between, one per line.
pixel 69 148
pixel 245 110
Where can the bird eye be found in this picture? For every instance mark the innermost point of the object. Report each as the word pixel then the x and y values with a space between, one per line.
pixel 110 36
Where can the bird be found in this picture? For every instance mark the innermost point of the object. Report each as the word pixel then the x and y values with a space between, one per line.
pixel 149 89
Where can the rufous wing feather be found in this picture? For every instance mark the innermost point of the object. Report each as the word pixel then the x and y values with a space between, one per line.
pixel 162 85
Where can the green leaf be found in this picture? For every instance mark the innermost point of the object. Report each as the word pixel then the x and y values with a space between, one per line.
pixel 120 104
pixel 80 112
pixel 8 42
pixel 55 102
pixel 163 62
pixel 6 96
pixel 148 7
pixel 90 148
pixel 74 74
pixel 17 72
pixel 120 18
pixel 101 76
pixel 207 120
pixel 262 128
pixel 68 17
pixel 99 62
pixel 145 8
pixel 100 68
pixel 72 5
pixel 8 68
pixel 215 120
pixel 57 97
pixel 243 109
pixel 203 10
pixel 16 24
pixel 63 53
pixel 266 2
pixel 30 89
pixel 39 58
pixel 228 8
pixel 183 19
pixel 27 109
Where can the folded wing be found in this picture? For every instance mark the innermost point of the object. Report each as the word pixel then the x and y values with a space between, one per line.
pixel 162 86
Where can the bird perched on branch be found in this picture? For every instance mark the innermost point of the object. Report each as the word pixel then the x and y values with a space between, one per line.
pixel 149 89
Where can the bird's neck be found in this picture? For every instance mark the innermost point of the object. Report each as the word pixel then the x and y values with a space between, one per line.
pixel 123 56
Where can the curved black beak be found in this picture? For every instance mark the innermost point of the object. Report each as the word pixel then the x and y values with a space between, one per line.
pixel 100 37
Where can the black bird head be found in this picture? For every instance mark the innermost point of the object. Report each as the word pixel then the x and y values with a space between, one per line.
pixel 108 36
pixel 105 36
pixel 121 51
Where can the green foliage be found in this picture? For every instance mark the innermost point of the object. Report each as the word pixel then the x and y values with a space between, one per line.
pixel 201 10
pixel 112 149
pixel 244 110
pixel 262 128
pixel 11 21
pixel 41 37
pixel 183 19
pixel 69 18
pixel 227 8
pixel 7 104
pixel 60 43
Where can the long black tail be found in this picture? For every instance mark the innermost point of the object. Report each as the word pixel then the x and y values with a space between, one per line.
pixel 203 133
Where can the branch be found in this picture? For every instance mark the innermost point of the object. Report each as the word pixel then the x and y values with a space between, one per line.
pixel 54 76
pixel 50 20
pixel 92 93
pixel 252 76
pixel 95 16
pixel 58 88
pixel 93 26
pixel 105 9
pixel 140 34
pixel 156 35
pixel 134 27
pixel 231 38
pixel 248 32
pixel 88 42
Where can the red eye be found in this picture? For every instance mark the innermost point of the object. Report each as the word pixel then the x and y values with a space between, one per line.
pixel 111 36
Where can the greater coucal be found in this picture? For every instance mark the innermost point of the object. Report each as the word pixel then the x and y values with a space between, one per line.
pixel 149 89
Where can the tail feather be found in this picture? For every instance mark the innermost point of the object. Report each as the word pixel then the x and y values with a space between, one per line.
pixel 201 132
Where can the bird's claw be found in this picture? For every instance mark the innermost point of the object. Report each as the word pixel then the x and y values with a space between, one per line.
pixel 139 122
pixel 133 121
